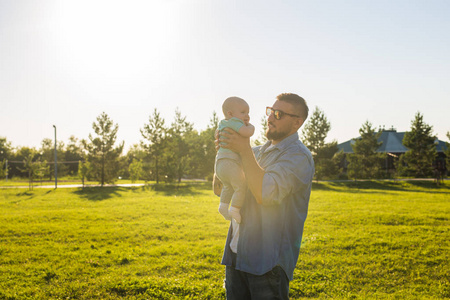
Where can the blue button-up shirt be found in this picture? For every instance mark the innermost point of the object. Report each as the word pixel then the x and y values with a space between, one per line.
pixel 270 233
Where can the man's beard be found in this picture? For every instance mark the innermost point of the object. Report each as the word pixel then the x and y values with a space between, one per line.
pixel 275 135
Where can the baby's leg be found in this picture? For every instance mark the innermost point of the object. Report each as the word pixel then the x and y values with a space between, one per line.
pixel 221 170
pixel 240 189
pixel 225 197
pixel 235 213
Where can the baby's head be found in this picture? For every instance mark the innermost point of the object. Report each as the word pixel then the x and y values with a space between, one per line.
pixel 236 107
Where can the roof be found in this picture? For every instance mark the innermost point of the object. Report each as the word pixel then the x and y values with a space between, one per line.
pixel 392 143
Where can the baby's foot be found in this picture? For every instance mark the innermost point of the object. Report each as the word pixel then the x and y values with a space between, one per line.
pixel 235 214
pixel 223 210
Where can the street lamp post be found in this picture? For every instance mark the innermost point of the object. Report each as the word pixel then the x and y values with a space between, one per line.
pixel 56 165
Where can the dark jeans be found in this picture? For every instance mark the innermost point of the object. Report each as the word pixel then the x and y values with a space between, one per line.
pixel 243 286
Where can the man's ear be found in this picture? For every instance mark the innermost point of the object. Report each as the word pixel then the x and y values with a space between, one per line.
pixel 298 123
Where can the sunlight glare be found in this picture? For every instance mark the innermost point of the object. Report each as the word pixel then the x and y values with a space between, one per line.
pixel 104 40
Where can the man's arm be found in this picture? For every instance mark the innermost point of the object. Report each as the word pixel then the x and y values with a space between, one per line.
pixel 253 172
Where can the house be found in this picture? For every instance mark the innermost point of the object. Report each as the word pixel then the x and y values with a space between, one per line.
pixel 392 145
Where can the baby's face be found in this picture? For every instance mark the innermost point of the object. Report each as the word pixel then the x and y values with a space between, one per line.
pixel 241 111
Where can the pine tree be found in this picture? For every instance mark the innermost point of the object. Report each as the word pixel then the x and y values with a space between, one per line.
pixel 155 135
pixel 206 157
pixel 315 131
pixel 178 154
pixel 102 155
pixel 420 141
pixel 365 162
pixel 262 139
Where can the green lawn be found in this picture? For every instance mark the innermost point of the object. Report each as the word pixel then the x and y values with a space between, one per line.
pixel 365 240
pixel 61 181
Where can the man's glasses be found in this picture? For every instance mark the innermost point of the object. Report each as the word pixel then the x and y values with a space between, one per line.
pixel 278 114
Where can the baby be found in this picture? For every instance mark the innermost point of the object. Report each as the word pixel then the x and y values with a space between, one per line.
pixel 228 166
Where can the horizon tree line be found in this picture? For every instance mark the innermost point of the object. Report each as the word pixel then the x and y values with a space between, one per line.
pixel 171 152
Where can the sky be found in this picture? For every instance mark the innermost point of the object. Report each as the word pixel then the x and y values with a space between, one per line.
pixel 63 63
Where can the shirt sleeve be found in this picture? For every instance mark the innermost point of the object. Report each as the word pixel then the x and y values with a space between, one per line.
pixel 289 174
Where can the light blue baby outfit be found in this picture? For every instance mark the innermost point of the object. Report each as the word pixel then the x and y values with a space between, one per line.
pixel 228 169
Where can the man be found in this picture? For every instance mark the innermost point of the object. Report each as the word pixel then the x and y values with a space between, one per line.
pixel 261 253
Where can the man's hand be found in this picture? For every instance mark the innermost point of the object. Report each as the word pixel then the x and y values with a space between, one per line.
pixel 234 141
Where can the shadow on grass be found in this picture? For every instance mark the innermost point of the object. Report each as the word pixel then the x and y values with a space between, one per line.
pixel 27 193
pixel 443 187
pixel 182 189
pixel 30 194
pixel 424 186
pixel 98 193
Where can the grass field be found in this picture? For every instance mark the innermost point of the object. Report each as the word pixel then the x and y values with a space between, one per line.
pixel 61 181
pixel 364 240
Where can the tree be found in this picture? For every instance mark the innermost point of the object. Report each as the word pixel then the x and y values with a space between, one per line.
pixel 420 141
pixel 447 153
pixel 155 134
pixel 84 170
pixel 3 168
pixel 30 167
pixel 315 131
pixel 137 152
pixel 5 153
pixel 102 154
pixel 365 162
pixel 20 154
pixel 42 169
pixel 73 153
pixel 178 154
pixel 206 154
pixel 135 170
pixel 48 153
pixel 262 139
pixel 5 149
pixel 328 161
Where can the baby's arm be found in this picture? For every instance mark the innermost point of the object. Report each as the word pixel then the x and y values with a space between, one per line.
pixel 247 130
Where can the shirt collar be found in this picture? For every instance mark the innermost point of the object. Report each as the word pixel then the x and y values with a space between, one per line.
pixel 281 145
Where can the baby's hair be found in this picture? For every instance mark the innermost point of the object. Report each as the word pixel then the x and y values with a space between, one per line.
pixel 229 102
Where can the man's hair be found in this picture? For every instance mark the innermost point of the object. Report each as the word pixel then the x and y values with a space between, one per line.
pixel 298 102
